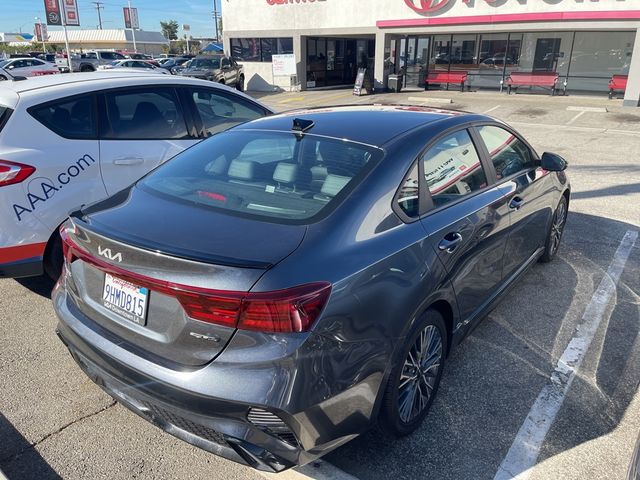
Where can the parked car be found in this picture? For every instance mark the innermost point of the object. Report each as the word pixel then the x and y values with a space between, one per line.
pixel 137 65
pixel 275 290
pixel 216 68
pixel 54 158
pixel 178 69
pixel 26 67
pixel 170 63
pixel 88 62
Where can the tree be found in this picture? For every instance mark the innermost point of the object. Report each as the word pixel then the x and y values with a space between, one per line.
pixel 169 29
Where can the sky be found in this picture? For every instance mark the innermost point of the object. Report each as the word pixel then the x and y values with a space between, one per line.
pixel 19 15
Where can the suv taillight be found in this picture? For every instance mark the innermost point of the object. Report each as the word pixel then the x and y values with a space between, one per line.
pixel 11 172
pixel 290 310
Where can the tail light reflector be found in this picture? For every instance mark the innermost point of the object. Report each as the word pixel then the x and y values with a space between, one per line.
pixel 12 172
pixel 290 310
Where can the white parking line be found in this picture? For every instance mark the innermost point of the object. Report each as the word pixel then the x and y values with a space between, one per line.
pixel 492 109
pixel 524 451
pixel 318 470
pixel 576 117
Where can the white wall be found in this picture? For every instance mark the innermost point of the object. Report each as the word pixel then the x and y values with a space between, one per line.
pixel 258 77
pixel 259 15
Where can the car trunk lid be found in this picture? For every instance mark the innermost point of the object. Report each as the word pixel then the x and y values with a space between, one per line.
pixel 149 294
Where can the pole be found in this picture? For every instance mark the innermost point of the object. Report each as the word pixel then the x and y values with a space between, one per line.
pixel 98 8
pixel 66 35
pixel 215 17
pixel 44 49
pixel 133 30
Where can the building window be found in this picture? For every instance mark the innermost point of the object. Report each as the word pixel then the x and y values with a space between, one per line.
pixel 260 49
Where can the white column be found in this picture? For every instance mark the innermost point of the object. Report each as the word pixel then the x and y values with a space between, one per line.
pixel 632 94
pixel 300 51
pixel 380 75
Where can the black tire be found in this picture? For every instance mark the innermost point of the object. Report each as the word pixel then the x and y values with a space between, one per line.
pixel 240 83
pixel 555 231
pixel 53 258
pixel 222 81
pixel 2 78
pixel 86 68
pixel 405 378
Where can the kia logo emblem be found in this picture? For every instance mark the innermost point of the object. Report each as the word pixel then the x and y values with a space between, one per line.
pixel 426 6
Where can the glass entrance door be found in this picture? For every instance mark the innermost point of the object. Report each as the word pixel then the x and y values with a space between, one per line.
pixel 416 56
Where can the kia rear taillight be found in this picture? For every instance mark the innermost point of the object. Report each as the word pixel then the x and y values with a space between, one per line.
pixel 12 173
pixel 290 310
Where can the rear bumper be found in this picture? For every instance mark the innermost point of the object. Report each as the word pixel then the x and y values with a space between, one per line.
pixel 206 415
pixel 179 418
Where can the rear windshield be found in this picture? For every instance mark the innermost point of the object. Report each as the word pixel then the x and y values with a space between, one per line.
pixel 265 174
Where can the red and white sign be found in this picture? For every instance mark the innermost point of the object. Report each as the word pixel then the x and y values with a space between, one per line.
pixel 131 18
pixel 426 6
pixel 52 11
pixel 71 17
pixel 285 2
pixel 41 32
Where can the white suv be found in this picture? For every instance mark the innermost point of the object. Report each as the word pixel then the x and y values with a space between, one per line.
pixel 71 140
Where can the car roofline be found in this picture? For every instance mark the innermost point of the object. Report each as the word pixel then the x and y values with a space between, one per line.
pixel 311 134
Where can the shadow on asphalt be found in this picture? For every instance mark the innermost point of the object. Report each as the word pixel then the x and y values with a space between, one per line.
pixel 42 285
pixel 493 377
pixel 18 458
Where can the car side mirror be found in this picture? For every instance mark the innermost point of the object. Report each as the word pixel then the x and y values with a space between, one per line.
pixel 553 163
pixel 10 67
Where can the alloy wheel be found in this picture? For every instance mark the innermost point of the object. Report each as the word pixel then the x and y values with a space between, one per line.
pixel 558 226
pixel 419 374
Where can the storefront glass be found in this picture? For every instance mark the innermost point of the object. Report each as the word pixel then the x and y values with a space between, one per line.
pixel 335 61
pixel 585 61
pixel 597 56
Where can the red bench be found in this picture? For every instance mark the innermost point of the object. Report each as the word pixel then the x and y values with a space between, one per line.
pixel 532 79
pixel 446 77
pixel 617 83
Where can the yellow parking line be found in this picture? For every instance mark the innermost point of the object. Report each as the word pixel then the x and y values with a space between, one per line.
pixel 335 96
pixel 292 99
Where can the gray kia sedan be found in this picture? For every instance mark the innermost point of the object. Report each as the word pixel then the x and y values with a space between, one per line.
pixel 275 290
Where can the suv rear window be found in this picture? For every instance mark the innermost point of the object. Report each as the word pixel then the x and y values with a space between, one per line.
pixel 4 115
pixel 265 174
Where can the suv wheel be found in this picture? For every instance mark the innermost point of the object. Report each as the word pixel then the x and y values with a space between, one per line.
pixel 240 83
pixel 2 78
pixel 414 380
pixel 86 68
pixel 555 232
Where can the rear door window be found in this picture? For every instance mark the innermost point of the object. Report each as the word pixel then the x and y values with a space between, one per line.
pixel 264 174
pixel 152 113
pixel 70 118
pixel 452 168
pixel 219 112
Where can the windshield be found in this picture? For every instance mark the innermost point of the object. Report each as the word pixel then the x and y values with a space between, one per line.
pixel 3 63
pixel 212 63
pixel 265 174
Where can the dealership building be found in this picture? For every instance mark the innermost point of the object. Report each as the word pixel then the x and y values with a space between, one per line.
pixel 585 41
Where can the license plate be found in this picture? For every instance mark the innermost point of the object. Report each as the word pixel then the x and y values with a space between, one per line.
pixel 125 299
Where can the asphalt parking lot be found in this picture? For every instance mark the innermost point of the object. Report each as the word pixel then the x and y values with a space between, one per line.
pixel 54 423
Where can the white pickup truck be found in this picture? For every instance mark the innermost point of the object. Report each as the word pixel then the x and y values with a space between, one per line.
pixel 89 61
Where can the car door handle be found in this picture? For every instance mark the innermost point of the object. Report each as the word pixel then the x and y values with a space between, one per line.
pixel 450 242
pixel 516 203
pixel 128 161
